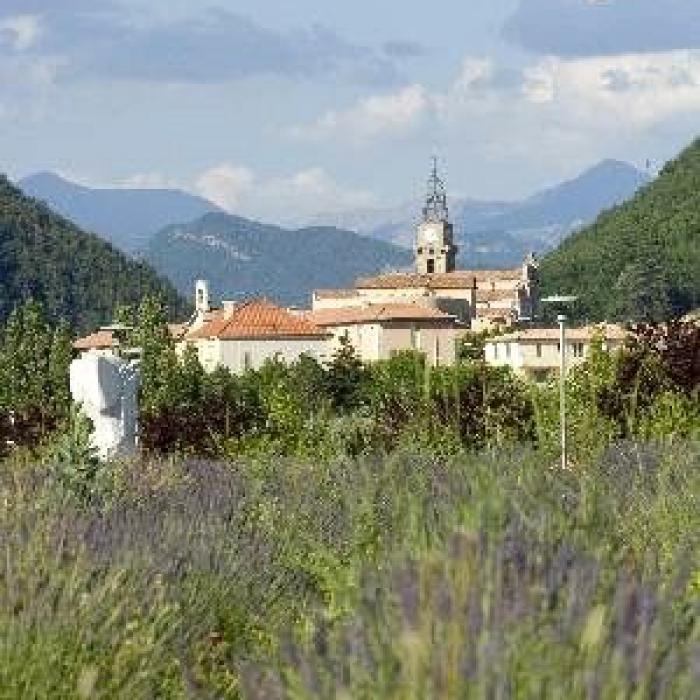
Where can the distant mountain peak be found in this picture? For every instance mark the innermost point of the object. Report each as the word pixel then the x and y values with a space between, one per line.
pixel 126 217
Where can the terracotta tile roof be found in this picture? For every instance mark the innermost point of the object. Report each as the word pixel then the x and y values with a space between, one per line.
pixel 486 295
pixel 104 338
pixel 100 340
pixel 377 313
pixel 460 279
pixel 177 330
pixel 335 293
pixel 583 334
pixel 257 319
pixel 494 313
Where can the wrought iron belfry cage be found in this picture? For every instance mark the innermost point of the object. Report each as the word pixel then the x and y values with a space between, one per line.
pixel 435 208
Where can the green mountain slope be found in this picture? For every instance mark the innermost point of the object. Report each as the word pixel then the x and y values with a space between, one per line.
pixel 640 260
pixel 77 276
pixel 243 258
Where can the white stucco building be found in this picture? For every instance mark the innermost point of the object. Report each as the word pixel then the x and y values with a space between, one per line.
pixel 378 331
pixel 535 353
pixel 243 336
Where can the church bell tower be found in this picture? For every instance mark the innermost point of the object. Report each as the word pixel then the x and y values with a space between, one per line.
pixel 435 251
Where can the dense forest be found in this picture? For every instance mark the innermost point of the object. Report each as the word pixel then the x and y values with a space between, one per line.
pixel 78 277
pixel 641 260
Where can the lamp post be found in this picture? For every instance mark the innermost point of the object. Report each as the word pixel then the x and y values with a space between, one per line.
pixel 561 320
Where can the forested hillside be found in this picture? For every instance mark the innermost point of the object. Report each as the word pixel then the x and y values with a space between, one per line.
pixel 76 276
pixel 243 258
pixel 640 260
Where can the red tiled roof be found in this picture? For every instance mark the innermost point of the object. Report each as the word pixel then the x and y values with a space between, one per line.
pixel 376 313
pixel 104 338
pixel 100 340
pixel 460 279
pixel 257 319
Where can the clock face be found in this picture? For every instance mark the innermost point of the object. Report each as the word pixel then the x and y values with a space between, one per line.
pixel 431 234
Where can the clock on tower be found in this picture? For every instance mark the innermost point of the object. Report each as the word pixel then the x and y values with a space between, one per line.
pixel 435 250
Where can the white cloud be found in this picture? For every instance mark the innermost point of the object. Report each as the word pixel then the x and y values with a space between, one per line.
pixel 20 32
pixel 561 114
pixel 641 89
pixel 596 100
pixel 226 185
pixel 26 84
pixel 285 199
pixel 392 114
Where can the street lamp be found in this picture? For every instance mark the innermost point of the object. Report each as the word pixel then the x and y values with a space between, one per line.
pixel 562 301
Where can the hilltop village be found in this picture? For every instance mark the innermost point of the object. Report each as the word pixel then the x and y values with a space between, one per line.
pixel 427 310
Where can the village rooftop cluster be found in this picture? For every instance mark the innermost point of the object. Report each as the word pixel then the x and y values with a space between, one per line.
pixel 428 310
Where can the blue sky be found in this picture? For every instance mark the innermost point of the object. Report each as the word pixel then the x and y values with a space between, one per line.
pixel 282 109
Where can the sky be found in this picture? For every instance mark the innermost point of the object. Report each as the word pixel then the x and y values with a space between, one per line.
pixel 286 109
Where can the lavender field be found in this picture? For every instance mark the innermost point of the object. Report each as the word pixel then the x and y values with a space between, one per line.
pixel 402 576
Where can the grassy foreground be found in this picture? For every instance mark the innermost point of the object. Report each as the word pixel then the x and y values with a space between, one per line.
pixel 402 576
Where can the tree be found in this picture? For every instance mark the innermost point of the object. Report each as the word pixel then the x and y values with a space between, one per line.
pixel 34 369
pixel 345 376
pixel 159 361
pixel 641 293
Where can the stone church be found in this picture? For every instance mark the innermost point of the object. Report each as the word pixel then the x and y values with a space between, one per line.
pixel 480 299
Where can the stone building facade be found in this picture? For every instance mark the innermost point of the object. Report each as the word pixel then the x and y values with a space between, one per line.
pixel 378 331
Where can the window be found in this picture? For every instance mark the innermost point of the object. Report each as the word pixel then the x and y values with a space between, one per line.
pixel 415 338
pixel 495 351
pixel 539 350
pixel 437 351
pixel 247 361
pixel 508 350
pixel 431 266
pixel 578 349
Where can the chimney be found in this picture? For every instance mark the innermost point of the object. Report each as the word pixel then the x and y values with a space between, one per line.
pixel 229 307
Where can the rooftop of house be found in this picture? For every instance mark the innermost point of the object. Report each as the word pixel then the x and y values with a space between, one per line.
pixel 378 313
pixel 460 279
pixel 552 335
pixel 335 293
pixel 257 318
pixel 102 339
pixel 489 295
pixel 495 313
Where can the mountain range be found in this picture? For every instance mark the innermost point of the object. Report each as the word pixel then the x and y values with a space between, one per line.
pixel 243 258
pixel 185 237
pixel 128 218
pixel 499 233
